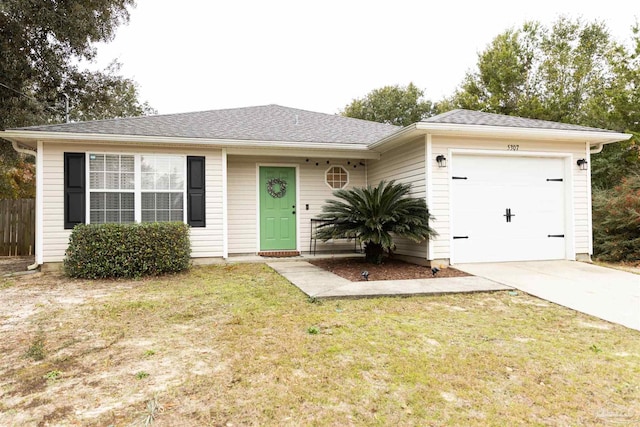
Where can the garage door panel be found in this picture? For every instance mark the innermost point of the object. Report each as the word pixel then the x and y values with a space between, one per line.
pixel 525 250
pixel 474 248
pixel 529 187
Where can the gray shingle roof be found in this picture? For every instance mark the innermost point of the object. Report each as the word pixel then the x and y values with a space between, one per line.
pixel 276 123
pixel 262 123
pixel 469 117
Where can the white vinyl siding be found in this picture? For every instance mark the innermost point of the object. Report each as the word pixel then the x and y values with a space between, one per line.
pixel 315 192
pixel 312 190
pixel 404 164
pixel 205 241
pixel 439 204
pixel 55 238
pixel 241 210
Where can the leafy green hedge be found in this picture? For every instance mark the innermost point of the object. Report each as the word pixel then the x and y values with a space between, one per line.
pixel 127 250
pixel 616 221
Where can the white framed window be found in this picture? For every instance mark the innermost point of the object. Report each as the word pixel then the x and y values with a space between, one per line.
pixel 136 188
pixel 336 177
pixel 163 184
pixel 111 186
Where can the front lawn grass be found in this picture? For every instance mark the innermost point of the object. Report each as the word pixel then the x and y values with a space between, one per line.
pixel 239 345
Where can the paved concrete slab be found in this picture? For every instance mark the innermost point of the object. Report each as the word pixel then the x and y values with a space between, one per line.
pixel 444 285
pixel 606 293
pixel 319 283
pixel 310 279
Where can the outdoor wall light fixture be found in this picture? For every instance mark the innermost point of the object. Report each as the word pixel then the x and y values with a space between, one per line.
pixel 442 161
pixel 582 164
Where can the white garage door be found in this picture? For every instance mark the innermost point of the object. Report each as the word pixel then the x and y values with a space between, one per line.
pixel 507 208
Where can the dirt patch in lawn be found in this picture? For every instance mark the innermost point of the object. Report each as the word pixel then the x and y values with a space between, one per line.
pixel 239 345
pixel 14 264
pixel 390 269
pixel 629 267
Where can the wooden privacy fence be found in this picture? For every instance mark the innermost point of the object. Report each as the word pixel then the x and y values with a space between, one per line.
pixel 17 227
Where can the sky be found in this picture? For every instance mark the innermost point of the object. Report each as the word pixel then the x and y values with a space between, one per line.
pixel 194 55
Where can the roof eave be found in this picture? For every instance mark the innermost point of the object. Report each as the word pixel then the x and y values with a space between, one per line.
pixel 503 132
pixel 402 135
pixel 24 136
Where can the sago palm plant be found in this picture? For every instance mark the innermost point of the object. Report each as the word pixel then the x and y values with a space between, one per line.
pixel 374 216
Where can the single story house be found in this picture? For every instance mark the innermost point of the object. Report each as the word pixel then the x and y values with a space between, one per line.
pixel 251 180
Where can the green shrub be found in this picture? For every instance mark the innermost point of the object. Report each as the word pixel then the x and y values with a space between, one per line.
pixel 616 221
pixel 127 250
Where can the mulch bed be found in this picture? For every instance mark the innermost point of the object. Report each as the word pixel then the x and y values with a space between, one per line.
pixel 391 269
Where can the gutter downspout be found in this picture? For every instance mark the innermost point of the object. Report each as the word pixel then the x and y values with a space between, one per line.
pixel 27 151
pixel 596 149
pixel 34 153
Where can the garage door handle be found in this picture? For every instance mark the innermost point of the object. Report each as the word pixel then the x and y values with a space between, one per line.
pixel 555 235
pixel 460 237
pixel 508 214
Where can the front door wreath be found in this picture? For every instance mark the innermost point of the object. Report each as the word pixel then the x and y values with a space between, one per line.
pixel 281 188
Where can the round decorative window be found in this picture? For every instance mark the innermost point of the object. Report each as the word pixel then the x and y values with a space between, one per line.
pixel 277 188
pixel 337 177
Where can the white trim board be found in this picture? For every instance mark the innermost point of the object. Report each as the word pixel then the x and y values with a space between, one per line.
pixel 225 206
pixel 429 185
pixel 40 203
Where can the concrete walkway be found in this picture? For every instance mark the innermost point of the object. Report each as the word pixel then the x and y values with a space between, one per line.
pixel 606 293
pixel 319 283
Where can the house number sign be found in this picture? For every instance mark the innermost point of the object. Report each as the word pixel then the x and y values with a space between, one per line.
pixel 513 147
pixel 281 190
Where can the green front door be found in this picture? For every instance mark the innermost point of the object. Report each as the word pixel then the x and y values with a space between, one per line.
pixel 277 208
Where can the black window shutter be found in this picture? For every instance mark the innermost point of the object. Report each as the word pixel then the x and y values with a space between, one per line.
pixel 74 189
pixel 195 191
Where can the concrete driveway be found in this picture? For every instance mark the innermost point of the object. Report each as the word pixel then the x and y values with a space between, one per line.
pixel 606 293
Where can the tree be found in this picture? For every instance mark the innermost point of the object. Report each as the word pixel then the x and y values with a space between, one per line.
pixel 615 162
pixel 617 213
pixel 572 72
pixel 374 216
pixel 622 159
pixel 41 44
pixel 18 182
pixel 104 95
pixel 502 82
pixel 558 73
pixel 395 105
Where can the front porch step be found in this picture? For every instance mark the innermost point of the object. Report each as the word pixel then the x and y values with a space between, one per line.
pixel 279 254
